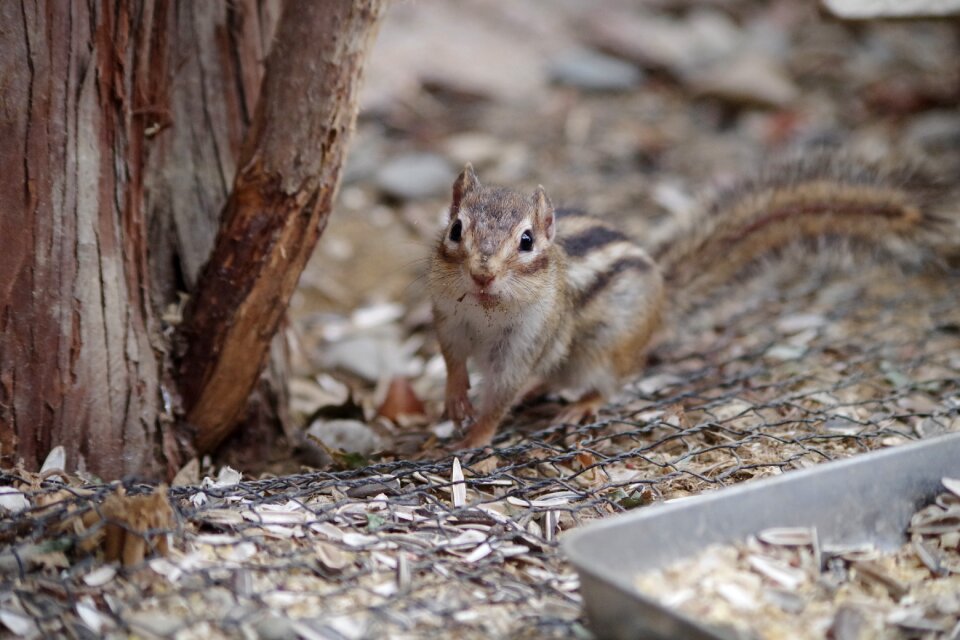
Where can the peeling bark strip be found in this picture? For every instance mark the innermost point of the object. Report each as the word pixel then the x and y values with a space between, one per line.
pixel 279 206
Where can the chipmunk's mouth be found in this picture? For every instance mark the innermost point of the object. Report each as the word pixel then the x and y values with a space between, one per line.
pixel 486 298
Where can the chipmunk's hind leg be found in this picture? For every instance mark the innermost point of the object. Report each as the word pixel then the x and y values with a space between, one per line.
pixel 534 391
pixel 608 352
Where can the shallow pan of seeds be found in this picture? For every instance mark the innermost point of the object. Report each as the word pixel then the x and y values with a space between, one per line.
pixel 860 507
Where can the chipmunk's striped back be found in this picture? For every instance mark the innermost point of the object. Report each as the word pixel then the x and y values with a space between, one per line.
pixel 597 254
pixel 614 292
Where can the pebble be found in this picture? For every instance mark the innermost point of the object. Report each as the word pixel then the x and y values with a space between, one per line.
pixel 275 627
pixel 351 436
pixel 155 623
pixel 747 79
pixel 859 9
pixel 478 148
pixel 370 354
pixel 677 46
pixel 934 131
pixel 415 176
pixel 498 161
pixel 364 157
pixel 592 71
pixel 798 322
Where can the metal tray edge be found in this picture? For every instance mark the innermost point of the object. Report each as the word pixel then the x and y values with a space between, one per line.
pixel 616 600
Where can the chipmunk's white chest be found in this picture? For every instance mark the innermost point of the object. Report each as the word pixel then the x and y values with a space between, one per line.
pixel 493 337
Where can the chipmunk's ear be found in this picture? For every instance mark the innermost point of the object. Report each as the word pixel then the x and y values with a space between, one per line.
pixel 464 184
pixel 543 213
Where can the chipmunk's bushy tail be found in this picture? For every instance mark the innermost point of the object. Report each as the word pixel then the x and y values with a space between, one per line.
pixel 898 212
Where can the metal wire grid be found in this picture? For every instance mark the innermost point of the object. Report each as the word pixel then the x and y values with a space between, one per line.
pixel 383 552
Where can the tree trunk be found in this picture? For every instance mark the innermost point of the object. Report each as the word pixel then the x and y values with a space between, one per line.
pixel 282 196
pixel 121 125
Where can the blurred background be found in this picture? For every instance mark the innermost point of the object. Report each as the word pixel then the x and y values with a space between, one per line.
pixel 630 110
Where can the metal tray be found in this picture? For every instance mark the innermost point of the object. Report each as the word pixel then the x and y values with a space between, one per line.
pixel 867 498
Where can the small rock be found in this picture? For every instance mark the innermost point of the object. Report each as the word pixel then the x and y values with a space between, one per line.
pixel 376 315
pixel 785 352
pixel 443 430
pixel 477 148
pixel 345 626
pixel 592 71
pixel 748 78
pixel 656 383
pixel 677 46
pixel 306 396
pixel 370 355
pixel 364 158
pixel 351 436
pixel 439 44
pixel 415 176
pixel 850 623
pixel 860 9
pixel 712 35
pixel 930 427
pixel 155 623
pixel 934 131
pixel 275 627
pixel 798 322
pixel 514 165
pixel 674 196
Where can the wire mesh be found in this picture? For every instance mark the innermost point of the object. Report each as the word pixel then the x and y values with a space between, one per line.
pixel 772 379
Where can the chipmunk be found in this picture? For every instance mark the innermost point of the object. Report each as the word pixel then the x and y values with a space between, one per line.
pixel 545 299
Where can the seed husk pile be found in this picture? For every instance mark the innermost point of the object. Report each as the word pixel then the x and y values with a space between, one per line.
pixel 786 583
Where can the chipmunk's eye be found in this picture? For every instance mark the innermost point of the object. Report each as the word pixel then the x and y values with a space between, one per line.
pixel 456 230
pixel 526 241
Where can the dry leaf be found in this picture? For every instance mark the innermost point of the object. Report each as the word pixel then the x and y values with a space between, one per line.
pixel 401 400
pixel 486 466
pixel 676 416
pixel 56 461
pixel 189 474
pixel 586 459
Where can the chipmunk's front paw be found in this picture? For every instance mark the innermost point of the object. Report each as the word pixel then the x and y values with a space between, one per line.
pixel 478 435
pixel 458 408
